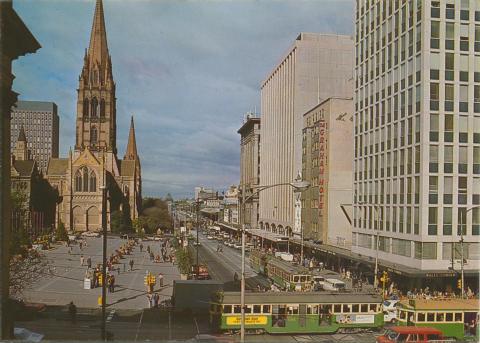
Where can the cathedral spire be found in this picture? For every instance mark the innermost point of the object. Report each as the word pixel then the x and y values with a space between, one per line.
pixel 131 152
pixel 21 135
pixel 98 48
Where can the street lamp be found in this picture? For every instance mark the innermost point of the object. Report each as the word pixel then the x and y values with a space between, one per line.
pixel 299 185
pixel 461 247
pixel 375 206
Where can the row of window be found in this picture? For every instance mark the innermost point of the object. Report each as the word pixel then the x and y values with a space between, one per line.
pixel 421 250
pixel 311 309
pixel 432 317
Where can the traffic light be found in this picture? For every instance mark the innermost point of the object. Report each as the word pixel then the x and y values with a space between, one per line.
pixel 459 283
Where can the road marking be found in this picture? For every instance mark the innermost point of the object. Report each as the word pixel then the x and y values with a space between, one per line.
pixel 139 325
pixel 110 315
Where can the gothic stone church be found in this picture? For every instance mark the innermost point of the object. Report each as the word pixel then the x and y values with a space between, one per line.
pixel 94 164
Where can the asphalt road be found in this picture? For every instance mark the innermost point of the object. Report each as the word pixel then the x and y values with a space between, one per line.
pixel 223 265
pixel 65 284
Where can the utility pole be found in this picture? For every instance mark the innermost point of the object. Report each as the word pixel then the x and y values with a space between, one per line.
pixel 242 282
pixel 461 255
pixel 104 264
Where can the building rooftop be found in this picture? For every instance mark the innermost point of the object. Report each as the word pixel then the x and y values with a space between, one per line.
pixel 38 106
pixel 248 123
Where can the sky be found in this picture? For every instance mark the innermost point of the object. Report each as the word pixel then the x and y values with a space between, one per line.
pixel 188 71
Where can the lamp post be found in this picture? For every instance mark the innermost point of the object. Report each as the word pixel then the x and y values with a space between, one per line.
pixel 104 264
pixel 462 263
pixel 377 242
pixel 299 185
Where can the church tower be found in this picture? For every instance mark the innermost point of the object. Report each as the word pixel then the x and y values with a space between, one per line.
pixel 21 152
pixel 96 109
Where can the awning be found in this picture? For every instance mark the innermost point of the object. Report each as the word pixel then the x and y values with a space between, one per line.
pixel 271 236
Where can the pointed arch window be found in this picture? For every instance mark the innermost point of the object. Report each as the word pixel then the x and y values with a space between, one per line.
pixel 93 181
pixel 93 135
pixel 85 179
pixel 93 112
pixel 86 104
pixel 78 181
pixel 102 108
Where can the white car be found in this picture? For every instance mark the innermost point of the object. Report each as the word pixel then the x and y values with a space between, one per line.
pixel 390 305
pixel 210 237
pixel 237 246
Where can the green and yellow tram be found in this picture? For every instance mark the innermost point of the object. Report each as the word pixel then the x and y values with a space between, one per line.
pixel 298 312
pixel 456 318
pixel 258 260
pixel 288 276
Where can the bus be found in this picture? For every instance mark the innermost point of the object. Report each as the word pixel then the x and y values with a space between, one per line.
pixel 456 318
pixel 287 276
pixel 297 312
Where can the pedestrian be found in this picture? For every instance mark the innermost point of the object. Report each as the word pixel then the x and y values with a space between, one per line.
pixel 82 260
pixel 131 264
pixel 89 262
pixel 148 249
pixel 149 299
pixel 112 284
pixel 81 245
pixel 156 298
pixel 124 267
pixel 69 249
pixel 72 310
pixel 141 247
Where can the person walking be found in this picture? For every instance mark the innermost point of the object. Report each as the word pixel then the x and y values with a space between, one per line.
pixel 82 260
pixel 149 299
pixel 141 247
pixel 148 249
pixel 89 262
pixel 112 284
pixel 156 298
pixel 72 310
pixel 131 264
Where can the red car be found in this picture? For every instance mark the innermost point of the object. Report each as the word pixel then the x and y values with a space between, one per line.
pixel 397 334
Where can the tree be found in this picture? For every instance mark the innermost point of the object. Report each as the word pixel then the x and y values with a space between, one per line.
pixel 184 260
pixel 61 232
pixel 119 222
pixel 27 268
pixel 155 215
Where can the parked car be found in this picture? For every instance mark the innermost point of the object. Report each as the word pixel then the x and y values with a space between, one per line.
pixel 210 237
pixel 237 246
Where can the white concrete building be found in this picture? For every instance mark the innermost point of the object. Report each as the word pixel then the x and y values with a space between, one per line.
pixel 316 66
pixel 417 132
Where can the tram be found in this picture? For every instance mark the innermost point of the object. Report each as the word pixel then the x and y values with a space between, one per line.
pixel 258 261
pixel 288 276
pixel 456 318
pixel 298 312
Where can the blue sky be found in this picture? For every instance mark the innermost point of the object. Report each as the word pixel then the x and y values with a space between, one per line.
pixel 187 70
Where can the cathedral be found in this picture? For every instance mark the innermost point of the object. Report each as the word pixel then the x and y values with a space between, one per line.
pixel 93 179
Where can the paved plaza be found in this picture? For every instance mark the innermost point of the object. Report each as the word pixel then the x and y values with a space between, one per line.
pixel 65 284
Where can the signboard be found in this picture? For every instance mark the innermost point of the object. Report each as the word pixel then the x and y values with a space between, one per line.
pixel 355 318
pixel 249 320
pixel 322 163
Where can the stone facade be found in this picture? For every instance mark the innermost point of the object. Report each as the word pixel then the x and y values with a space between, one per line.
pixel 250 169
pixel 327 165
pixel 94 164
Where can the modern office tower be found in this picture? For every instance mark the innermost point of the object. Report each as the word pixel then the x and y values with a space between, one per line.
pixel 250 168
pixel 41 125
pixel 316 67
pixel 327 164
pixel 417 133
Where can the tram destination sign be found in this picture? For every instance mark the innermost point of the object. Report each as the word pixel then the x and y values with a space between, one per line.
pixel 249 320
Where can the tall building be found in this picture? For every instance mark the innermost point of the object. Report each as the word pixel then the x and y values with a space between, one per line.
pixel 417 133
pixel 316 67
pixel 327 165
pixel 41 124
pixel 250 168
pixel 94 162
